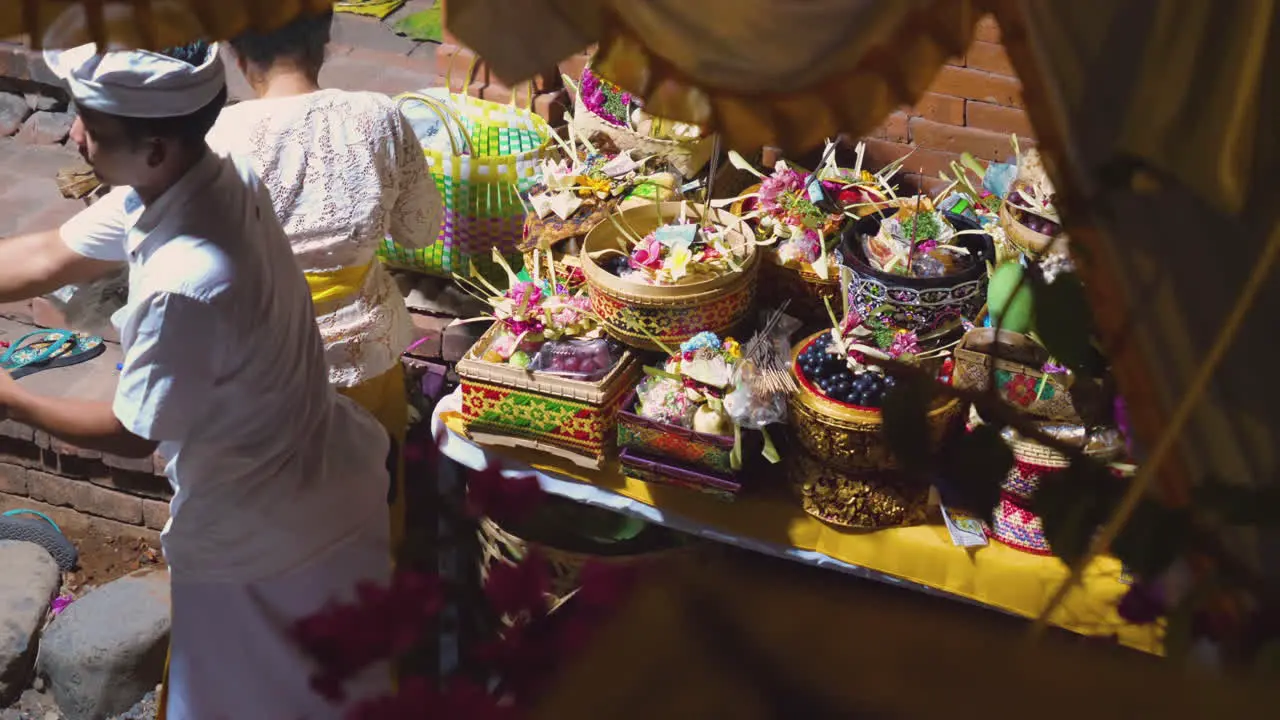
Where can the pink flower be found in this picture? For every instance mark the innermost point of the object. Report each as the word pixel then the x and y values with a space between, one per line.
pixel 774 187
pixel 648 254
pixel 505 499
pixel 519 590
pixel 904 343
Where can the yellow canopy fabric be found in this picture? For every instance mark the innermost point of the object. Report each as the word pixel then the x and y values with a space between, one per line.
pixel 735 635
pixel 149 24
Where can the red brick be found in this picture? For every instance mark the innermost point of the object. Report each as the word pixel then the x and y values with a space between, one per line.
pixel 894 128
pixel 155 514
pixel 141 484
pixel 978 85
pixel 990 57
pixel 923 183
pixel 940 108
pixel 987 30
pixel 924 161
pixel 984 144
pixel 13 479
pixel 1002 119
pixel 573 66
pixel 135 465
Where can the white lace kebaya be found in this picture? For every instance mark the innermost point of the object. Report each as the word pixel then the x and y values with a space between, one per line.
pixel 344 170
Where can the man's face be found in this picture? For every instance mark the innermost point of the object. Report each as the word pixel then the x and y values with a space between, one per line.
pixel 117 159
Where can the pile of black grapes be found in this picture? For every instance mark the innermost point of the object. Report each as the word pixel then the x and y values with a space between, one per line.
pixel 832 376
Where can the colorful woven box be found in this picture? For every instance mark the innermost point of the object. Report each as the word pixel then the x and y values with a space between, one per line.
pixel 572 419
pixel 662 440
pixel 659 472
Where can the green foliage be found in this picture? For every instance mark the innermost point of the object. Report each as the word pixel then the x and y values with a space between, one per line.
pixel 426 25
pixel 922 226
pixel 1010 300
pixel 1073 502
pixel 906 424
pixel 1063 322
pixel 980 461
pixel 1237 505
pixel 1152 539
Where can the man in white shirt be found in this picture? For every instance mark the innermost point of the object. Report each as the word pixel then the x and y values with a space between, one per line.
pixel 280 485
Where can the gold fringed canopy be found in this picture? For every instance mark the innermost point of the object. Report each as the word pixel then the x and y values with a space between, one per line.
pixel 149 24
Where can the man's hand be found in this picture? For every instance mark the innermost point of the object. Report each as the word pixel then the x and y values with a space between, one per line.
pixel 39 263
pixel 88 424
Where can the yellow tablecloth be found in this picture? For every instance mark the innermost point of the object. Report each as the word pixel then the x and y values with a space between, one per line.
pixel 996 575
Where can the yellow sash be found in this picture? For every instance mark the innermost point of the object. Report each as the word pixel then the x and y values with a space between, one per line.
pixel 335 285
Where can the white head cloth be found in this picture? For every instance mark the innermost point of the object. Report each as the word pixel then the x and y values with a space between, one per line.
pixel 138 83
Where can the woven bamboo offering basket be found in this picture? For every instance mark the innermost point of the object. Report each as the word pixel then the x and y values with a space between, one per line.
pixel 511 406
pixel 687 157
pixel 1030 242
pixel 499 545
pixel 635 313
pixel 804 287
pixel 845 472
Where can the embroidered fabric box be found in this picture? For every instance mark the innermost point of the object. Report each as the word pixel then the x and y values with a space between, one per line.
pixel 572 419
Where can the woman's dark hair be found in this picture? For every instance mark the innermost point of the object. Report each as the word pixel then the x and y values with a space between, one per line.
pixel 303 41
pixel 188 129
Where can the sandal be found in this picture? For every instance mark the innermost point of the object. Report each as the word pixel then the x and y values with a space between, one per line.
pixel 47 349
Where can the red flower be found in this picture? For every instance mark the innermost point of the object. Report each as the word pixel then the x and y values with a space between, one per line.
pixel 517 590
pixel 419 698
pixel 1021 390
pixel 505 499
pixel 346 638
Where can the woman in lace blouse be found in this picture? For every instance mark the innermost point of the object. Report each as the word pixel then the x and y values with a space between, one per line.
pixel 345 171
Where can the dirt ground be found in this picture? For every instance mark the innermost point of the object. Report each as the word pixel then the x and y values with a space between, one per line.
pixel 105 557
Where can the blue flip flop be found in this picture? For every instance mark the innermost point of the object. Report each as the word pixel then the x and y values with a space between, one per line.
pixel 47 349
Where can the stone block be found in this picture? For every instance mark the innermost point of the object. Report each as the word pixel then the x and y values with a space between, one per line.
pixel 85 497
pixel 155 514
pixel 13 112
pixel 107 649
pixel 13 479
pixel 46 128
pixel 27 586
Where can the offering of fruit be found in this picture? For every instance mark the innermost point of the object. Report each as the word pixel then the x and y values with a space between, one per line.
pixel 678 253
pixel 829 372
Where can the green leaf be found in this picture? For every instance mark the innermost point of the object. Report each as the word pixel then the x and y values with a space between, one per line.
pixel 1237 505
pixel 1152 539
pixel 979 463
pixel 906 423
pixel 1267 660
pixel 426 25
pixel 1063 321
pixel 1010 299
pixel 1072 503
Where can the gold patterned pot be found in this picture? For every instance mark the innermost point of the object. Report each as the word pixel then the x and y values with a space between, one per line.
pixel 635 313
pixel 861 500
pixel 850 437
pixel 843 470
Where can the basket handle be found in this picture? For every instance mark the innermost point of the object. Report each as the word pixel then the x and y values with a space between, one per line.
pixel 515 92
pixel 447 116
pixel 470 77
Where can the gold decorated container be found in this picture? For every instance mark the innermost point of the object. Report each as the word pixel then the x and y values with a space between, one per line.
pixel 636 313
pixel 847 474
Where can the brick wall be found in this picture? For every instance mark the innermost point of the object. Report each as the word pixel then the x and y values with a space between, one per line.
pixel 973 106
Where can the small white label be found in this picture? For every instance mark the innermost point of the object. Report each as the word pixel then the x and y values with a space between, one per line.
pixel 966 530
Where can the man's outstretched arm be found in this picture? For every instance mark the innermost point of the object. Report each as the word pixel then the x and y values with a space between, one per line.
pixel 39 263
pixel 84 423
